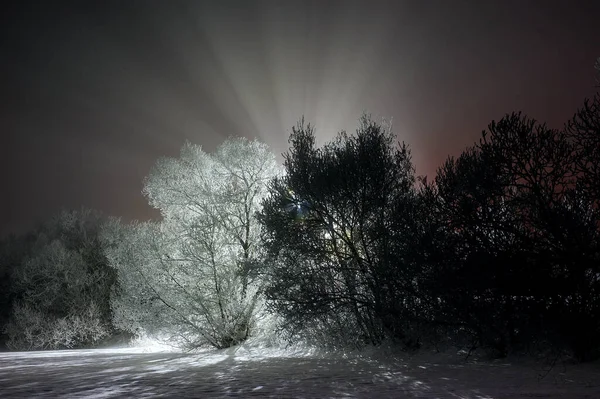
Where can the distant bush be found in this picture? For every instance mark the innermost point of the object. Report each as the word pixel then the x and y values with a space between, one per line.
pixel 31 329
pixel 61 287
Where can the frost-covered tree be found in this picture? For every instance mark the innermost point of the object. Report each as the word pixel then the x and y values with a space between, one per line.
pixel 188 277
pixel 61 286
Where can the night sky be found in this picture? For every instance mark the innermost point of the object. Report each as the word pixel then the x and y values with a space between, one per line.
pixel 92 93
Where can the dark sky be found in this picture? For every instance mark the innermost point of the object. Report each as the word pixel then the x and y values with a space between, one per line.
pixel 92 93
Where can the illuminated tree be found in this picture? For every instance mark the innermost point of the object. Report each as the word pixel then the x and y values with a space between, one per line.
pixel 189 276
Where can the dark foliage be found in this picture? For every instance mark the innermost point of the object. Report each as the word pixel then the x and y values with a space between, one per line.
pixel 500 251
pixel 517 259
pixel 336 249
pixel 57 285
pixel 523 237
pixel 13 250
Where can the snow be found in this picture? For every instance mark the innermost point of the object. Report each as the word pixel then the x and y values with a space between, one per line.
pixel 293 373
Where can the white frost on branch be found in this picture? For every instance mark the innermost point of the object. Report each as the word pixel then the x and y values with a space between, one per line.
pixel 188 276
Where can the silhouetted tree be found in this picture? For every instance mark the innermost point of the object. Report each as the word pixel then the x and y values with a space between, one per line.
pixel 582 214
pixel 584 132
pixel 519 238
pixel 330 234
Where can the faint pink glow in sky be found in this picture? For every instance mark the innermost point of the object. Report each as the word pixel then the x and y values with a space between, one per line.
pixel 93 94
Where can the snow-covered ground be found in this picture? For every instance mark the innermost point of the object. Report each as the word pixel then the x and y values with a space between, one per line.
pixel 282 374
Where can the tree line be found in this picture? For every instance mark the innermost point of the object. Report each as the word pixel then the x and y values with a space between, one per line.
pixel 342 246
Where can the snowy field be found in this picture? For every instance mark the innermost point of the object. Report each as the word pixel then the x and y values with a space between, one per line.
pixel 276 374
